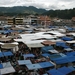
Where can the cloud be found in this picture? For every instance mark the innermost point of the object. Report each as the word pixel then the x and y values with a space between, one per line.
pixel 46 4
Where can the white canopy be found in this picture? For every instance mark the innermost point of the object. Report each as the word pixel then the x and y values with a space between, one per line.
pixel 7 70
pixel 73 41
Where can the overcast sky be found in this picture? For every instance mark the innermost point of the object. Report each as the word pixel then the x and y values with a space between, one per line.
pixel 46 4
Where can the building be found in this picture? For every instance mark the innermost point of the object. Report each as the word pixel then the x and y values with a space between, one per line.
pixel 10 21
pixel 44 20
pixel 30 20
pixel 19 21
pixel 3 20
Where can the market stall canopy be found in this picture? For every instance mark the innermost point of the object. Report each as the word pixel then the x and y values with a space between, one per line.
pixel 28 55
pixel 67 38
pixel 1 66
pixel 4 39
pixel 48 43
pixel 54 72
pixel 46 64
pixel 8 53
pixel 72 41
pixel 24 62
pixel 65 70
pixel 1 54
pixel 7 70
pixel 33 66
pixel 34 43
pixel 8 46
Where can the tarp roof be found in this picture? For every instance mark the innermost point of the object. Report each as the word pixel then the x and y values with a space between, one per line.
pixel 45 54
pixel 64 70
pixel 72 41
pixel 24 62
pixel 4 39
pixel 72 68
pixel 68 49
pixel 35 45
pixel 48 43
pixel 66 38
pixel 1 66
pixel 55 72
pixel 8 46
pixel 28 55
pixel 33 66
pixel 1 54
pixel 9 53
pixel 6 64
pixel 53 51
pixel 7 70
pixel 62 44
pixel 46 48
pixel 63 60
pixel 70 53
pixel 45 64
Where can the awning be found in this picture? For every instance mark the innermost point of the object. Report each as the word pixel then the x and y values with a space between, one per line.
pixel 46 64
pixel 28 55
pixel 64 70
pixel 4 39
pixel 33 66
pixel 9 53
pixel 68 49
pixel 45 54
pixel 1 54
pixel 53 51
pixel 70 53
pixel 6 64
pixel 66 38
pixel 48 43
pixel 72 41
pixel 54 72
pixel 7 70
pixel 8 46
pixel 1 66
pixel 24 62
pixel 46 48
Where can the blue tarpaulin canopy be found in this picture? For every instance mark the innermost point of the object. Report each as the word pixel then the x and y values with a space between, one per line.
pixel 33 66
pixel 70 53
pixel 71 58
pixel 45 54
pixel 1 54
pixel 72 68
pixel 54 72
pixel 9 53
pixel 28 55
pixel 62 44
pixel 46 48
pixel 66 38
pixel 55 56
pixel 1 66
pixel 63 60
pixel 46 64
pixel 65 70
pixel 24 62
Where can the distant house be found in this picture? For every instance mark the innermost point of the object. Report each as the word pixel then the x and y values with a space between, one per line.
pixel 10 20
pixel 73 19
pixel 3 20
pixel 19 21
pixel 31 19
pixel 44 20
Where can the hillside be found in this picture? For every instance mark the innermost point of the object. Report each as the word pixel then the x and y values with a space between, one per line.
pixel 64 14
pixel 21 10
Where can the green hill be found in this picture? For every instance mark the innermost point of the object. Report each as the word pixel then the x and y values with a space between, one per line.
pixel 21 10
